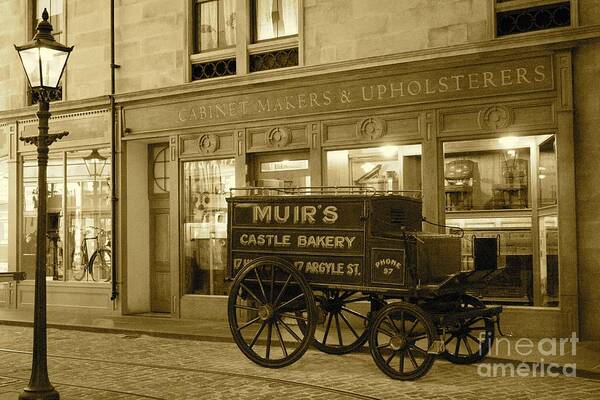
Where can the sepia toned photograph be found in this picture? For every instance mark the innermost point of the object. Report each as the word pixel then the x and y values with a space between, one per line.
pixel 299 199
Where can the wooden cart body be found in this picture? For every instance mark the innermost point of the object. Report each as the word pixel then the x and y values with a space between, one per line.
pixel 366 242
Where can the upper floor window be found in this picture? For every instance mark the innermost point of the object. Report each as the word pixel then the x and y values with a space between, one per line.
pixel 214 24
pixel 55 10
pixel 274 19
pixel 522 16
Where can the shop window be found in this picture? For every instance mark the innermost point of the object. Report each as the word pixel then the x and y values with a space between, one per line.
pixel 3 215
pixel 206 185
pixel 518 16
pixel 88 214
pixel 85 222
pixel 55 10
pixel 487 174
pixel 385 168
pixel 503 192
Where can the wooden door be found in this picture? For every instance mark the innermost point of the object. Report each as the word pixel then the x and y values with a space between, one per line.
pixel 160 266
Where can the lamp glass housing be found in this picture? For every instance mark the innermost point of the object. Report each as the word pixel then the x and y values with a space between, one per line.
pixel 44 66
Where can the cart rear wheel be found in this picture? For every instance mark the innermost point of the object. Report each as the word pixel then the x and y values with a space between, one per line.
pixel 469 341
pixel 341 327
pixel 400 338
pixel 268 299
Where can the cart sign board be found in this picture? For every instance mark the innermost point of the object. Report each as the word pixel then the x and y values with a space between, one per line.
pixel 315 214
pixel 299 241
pixel 323 238
pixel 316 268
pixel 388 266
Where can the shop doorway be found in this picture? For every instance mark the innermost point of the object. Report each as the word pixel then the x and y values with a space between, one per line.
pixel 158 196
pixel 282 170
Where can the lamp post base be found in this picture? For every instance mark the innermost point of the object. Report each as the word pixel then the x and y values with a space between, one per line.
pixel 32 394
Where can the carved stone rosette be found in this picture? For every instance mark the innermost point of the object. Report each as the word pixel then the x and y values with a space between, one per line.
pixel 208 143
pixel 495 117
pixel 279 137
pixel 371 128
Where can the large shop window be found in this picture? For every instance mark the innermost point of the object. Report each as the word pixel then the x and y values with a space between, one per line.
pixel 3 215
pixel 214 24
pixel 385 168
pixel 206 185
pixel 83 217
pixel 503 193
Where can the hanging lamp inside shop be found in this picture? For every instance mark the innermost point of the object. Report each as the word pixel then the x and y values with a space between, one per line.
pixel 95 163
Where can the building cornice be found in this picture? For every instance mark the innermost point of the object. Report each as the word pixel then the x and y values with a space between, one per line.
pixel 553 40
pixel 26 114
pixel 548 41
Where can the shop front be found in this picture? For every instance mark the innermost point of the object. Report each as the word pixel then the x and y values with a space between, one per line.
pixel 486 143
pixel 78 211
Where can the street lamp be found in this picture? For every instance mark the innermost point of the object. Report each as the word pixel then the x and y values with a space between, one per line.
pixel 44 61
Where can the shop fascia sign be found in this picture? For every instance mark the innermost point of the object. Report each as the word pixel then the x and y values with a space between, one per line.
pixel 481 80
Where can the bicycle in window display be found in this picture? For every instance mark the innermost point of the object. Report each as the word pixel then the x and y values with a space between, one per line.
pixel 98 265
pixel 339 269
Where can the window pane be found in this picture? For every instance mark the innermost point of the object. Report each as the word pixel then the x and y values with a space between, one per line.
pixel 88 216
pixel 54 245
pixel 549 259
pixel 546 174
pixel 385 168
pixel 227 23
pixel 266 19
pixel 207 25
pixel 487 174
pixel 3 215
pixel 206 184
pixel 55 10
pixel 288 18
pixel 160 169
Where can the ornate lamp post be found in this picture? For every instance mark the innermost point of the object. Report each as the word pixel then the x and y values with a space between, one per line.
pixel 44 61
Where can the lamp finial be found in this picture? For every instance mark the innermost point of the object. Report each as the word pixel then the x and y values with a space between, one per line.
pixel 44 28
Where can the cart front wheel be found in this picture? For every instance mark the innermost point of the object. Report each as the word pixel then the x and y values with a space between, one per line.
pixel 268 300
pixel 400 338
pixel 469 341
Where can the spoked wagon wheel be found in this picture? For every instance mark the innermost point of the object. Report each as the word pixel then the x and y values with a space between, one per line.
pixel 268 299
pixel 341 328
pixel 469 341
pixel 400 337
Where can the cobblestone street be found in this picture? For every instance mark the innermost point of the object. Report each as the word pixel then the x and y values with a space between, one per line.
pixel 115 366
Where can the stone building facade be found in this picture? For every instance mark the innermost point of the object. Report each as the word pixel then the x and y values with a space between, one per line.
pixel 217 94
